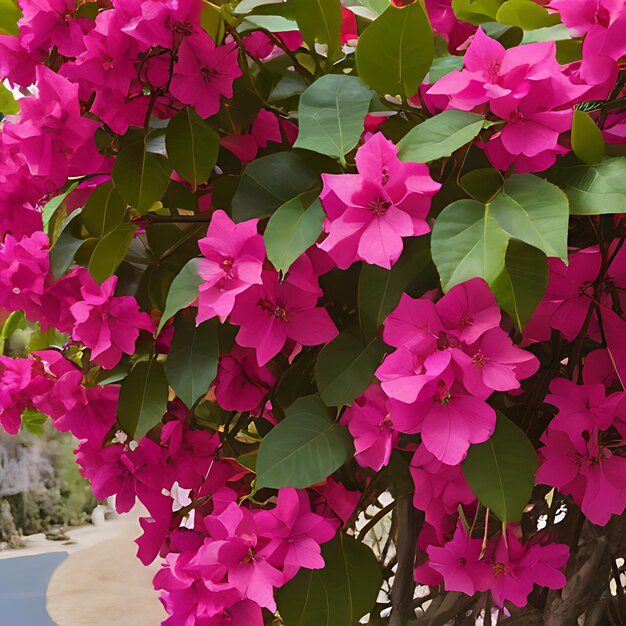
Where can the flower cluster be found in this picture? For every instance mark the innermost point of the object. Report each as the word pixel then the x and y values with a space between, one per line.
pixel 335 298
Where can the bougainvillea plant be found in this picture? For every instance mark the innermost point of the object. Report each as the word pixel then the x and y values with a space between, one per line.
pixel 336 291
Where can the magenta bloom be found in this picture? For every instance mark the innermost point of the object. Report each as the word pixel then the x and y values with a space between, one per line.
pixel 16 376
pixel 497 365
pixel 582 16
pixel 439 488
pixel 233 260
pixel 295 533
pixel 368 214
pixel 241 384
pixel 275 311
pixel 204 72
pixel 107 324
pixel 234 558
pixel 369 422
pixel 515 568
pixel 587 469
pixel 458 561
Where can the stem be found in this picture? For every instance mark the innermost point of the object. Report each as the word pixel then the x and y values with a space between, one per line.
pixel 377 517
pixel 403 584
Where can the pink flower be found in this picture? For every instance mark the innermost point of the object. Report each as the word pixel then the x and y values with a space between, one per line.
pixel 439 488
pixel 368 214
pixel 369 422
pixel 445 24
pixel 233 260
pixel 234 558
pixel 52 135
pixel 24 266
pixel 585 467
pixel 581 16
pixel 459 563
pixel 275 311
pixel 497 365
pixel 515 568
pixel 241 384
pixel 295 533
pixel 204 72
pixel 107 324
pixel 16 377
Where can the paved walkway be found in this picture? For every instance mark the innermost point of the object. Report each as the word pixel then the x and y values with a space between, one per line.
pixel 23 584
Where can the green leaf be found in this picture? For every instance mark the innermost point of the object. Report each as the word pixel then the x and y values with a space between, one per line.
pixel 110 252
pixel 273 23
pixel 526 14
pixel 8 105
pixel 331 114
pixel 587 141
pixel 444 65
pixel 271 181
pixel 482 184
pixel 320 22
pixel 476 11
pixel 395 52
pixel 292 229
pixel 191 364
pixel 143 398
pixel 345 367
pixel 10 13
pixel 523 281
pixel 440 136
pixel 467 242
pixel 104 210
pixel 535 211
pixel 340 594
pixel 192 146
pixel 183 291
pixel 501 471
pixel 594 189
pixel 52 206
pixel 304 449
pixel 141 177
pixel 380 289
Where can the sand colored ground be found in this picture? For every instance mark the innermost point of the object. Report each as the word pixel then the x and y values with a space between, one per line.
pixel 104 584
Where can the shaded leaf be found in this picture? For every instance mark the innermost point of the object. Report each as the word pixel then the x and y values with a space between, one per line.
pixel 110 252
pixel 345 367
pixel 192 146
pixel 594 189
pixel 467 242
pixel 380 289
pixel 587 141
pixel 476 11
pixel 337 595
pixel 501 471
pixel 292 229
pixel 183 291
pixel 269 182
pixel 52 207
pixel 394 53
pixel 535 211
pixel 523 281
pixel 482 184
pixel 439 136
pixel 319 21
pixel 304 449
pixel 331 114
pixel 141 177
pixel 104 210
pixel 191 364
pixel 143 398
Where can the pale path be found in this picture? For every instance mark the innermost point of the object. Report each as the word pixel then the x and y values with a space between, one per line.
pixel 105 584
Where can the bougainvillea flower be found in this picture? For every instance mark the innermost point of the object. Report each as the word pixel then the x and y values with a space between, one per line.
pixel 241 384
pixel 233 256
pixel 368 214
pixel 107 324
pixel 296 533
pixel 369 422
pixel 217 67
pixel 275 311
pixel 458 561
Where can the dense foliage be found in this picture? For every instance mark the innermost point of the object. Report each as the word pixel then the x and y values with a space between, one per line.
pixel 335 291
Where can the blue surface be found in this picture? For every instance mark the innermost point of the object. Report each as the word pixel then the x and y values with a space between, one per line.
pixel 23 585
